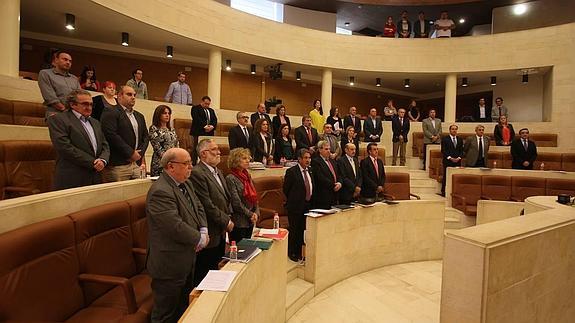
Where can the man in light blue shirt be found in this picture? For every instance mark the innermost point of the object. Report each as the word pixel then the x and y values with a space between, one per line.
pixel 179 92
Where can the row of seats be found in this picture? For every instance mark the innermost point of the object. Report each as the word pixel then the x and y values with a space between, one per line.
pixel 540 139
pixel 467 189
pixel 499 159
pixel 87 266
pixel 22 113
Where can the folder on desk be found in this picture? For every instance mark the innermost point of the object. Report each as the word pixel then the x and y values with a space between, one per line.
pixel 245 253
pixel 261 243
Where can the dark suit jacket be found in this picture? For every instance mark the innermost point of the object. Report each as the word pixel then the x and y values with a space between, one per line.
pixel 257 147
pixel 476 117
pixel 448 150
pixel 294 190
pixel 498 134
pixel 398 129
pixel 173 229
pixel 75 163
pixel 120 135
pixel 520 155
pixel 347 122
pixel 417 29
pixel 301 139
pixel 349 180
pixel 215 200
pixel 368 129
pixel 199 121
pixel 255 116
pixel 237 138
pixel 370 181
pixel 471 150
pixel 276 125
pixel 324 197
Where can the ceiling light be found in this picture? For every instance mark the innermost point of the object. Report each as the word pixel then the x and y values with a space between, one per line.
pixel 228 64
pixel 169 51
pixel 378 81
pixel 519 9
pixel 70 21
pixel 525 78
pixel 298 76
pixel 461 20
pixel 351 81
pixel 406 83
pixel 347 23
pixel 253 69
pixel 464 82
pixel 493 80
pixel 125 39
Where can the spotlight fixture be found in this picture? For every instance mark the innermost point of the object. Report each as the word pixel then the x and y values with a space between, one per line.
pixel 70 21
pixel 461 20
pixel 378 81
pixel 169 51
pixel 525 78
pixel 253 69
pixel 347 23
pixel 406 83
pixel 519 9
pixel 298 76
pixel 125 39
pixel 228 64
pixel 464 82
pixel 351 81
pixel 493 80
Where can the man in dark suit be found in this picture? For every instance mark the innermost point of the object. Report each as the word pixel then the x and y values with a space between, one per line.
pixel 327 180
pixel 298 189
pixel 305 135
pixel 400 128
pixel 372 127
pixel 260 114
pixel 79 142
pixel 523 151
pixel 177 230
pixel 239 136
pixel 352 119
pixel 476 148
pixel 452 151
pixel 350 175
pixel 482 113
pixel 421 26
pixel 126 132
pixel 204 122
pixel 214 195
pixel 372 173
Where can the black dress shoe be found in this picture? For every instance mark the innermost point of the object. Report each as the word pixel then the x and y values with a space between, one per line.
pixel 294 258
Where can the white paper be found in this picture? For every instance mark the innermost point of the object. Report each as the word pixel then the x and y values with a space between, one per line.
pixel 323 211
pixel 314 215
pixel 268 231
pixel 217 280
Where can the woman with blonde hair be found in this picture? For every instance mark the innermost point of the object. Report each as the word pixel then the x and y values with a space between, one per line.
pixel 243 194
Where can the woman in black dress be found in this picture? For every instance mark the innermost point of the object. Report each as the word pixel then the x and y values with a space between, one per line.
pixel 284 149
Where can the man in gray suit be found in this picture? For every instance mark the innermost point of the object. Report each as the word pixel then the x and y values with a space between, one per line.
pixel 212 191
pixel 431 132
pixel 476 148
pixel 177 229
pixel 80 143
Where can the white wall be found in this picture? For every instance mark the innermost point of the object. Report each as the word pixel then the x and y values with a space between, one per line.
pixel 318 20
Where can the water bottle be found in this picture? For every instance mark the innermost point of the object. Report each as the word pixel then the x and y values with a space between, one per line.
pixel 276 221
pixel 233 251
pixel 542 166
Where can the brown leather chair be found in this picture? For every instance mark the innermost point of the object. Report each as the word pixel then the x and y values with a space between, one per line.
pixel 568 162
pixel 507 161
pixel 417 146
pixel 495 159
pixel 271 200
pixel 183 127
pixel 556 186
pixel 223 129
pixel 495 187
pixel 6 112
pixel 435 164
pixel 544 139
pixel 523 186
pixel 223 165
pixel 29 167
pixel 224 149
pixel 139 228
pixel 396 187
pixel 29 114
pixel 107 263
pixel 552 161
pixel 465 192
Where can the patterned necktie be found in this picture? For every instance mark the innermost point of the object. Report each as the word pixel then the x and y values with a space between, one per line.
pixel 246 134
pixel 376 167
pixel 309 136
pixel 307 185
pixel 454 142
pixel 525 144
pixel 481 147
pixel 331 169
pixel 184 191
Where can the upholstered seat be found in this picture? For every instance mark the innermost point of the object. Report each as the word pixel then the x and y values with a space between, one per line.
pixel 568 162
pixel 523 186
pixel 271 199
pixel 466 190
pixel 495 187
pixel 6 111
pixel 552 161
pixel 556 186
pixel 183 127
pixel 397 186
pixel 139 228
pixel 29 114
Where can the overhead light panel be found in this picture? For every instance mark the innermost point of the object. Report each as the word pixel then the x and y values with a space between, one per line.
pixel 520 9
pixel 70 21
pixel 493 80
pixel 169 51
pixel 228 64
pixel 347 23
pixel 125 39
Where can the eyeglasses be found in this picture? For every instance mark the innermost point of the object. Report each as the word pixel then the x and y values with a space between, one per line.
pixel 187 162
pixel 85 104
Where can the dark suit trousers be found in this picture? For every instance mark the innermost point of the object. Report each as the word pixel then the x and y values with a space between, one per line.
pixel 238 234
pixel 425 152
pixel 444 179
pixel 194 153
pixel 296 229
pixel 208 259
pixel 171 298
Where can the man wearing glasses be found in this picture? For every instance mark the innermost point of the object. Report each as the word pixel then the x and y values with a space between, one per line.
pixel 239 136
pixel 83 151
pixel 211 189
pixel 177 230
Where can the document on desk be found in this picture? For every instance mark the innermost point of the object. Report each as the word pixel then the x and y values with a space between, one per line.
pixel 217 280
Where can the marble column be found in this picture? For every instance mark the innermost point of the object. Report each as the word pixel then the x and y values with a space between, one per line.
pixel 10 37
pixel 450 97
pixel 326 88
pixel 215 77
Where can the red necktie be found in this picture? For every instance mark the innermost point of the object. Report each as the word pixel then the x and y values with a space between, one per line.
pixel 331 170
pixel 309 137
pixel 376 167
pixel 307 185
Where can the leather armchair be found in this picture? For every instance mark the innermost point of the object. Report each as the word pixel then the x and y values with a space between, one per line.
pixel 524 186
pixel 465 192
pixel 495 187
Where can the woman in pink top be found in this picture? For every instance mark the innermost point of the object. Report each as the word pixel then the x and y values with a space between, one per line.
pixel 389 29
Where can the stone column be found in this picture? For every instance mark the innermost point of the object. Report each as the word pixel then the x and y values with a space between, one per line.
pixel 10 37
pixel 450 97
pixel 215 77
pixel 326 87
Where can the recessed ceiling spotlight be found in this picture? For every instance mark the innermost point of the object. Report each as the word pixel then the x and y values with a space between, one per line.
pixel 125 39
pixel 70 21
pixel 359 6
pixel 493 81
pixel 519 9
pixel 351 81
pixel 461 20
pixel 169 51
pixel 464 82
pixel 378 81
pixel 347 23
pixel 406 83
pixel 253 69
pixel 228 64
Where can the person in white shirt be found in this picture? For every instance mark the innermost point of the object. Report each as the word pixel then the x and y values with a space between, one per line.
pixel 482 113
pixel 444 25
pixel 498 110
pixel 179 92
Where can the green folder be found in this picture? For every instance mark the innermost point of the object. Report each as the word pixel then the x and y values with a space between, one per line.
pixel 263 244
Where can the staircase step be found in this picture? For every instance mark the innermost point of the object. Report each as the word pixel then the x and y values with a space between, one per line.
pixel 415 182
pixel 298 293
pixel 294 270
pixel 418 174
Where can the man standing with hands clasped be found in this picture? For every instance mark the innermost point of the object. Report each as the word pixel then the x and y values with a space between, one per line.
pixel 523 151
pixel 452 151
pixel 326 177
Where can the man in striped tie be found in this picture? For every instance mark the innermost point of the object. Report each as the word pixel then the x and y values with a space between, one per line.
pixel 327 178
